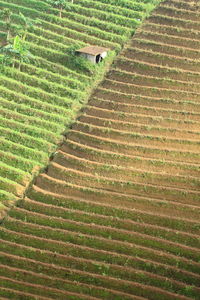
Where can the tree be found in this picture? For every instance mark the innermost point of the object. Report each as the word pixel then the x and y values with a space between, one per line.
pixel 7 14
pixel 60 4
pixel 16 52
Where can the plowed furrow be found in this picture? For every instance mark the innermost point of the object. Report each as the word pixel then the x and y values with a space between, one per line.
pixel 116 172
pixel 134 139
pixel 129 111
pixel 104 94
pixel 74 151
pixel 149 91
pixel 155 69
pixel 178 12
pixel 152 81
pixel 132 187
pixel 189 5
pixel 165 48
pixel 173 21
pixel 180 36
pixel 172 61
pixel 155 34
pixel 143 213
pixel 143 128
pixel 114 115
pixel 138 150
pixel 134 176
pixel 125 189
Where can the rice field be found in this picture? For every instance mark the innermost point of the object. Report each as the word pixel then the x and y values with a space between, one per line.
pixel 115 215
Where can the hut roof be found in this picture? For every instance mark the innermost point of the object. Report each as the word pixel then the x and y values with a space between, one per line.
pixel 93 50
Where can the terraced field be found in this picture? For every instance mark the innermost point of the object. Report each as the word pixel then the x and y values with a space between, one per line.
pixel 116 214
pixel 39 102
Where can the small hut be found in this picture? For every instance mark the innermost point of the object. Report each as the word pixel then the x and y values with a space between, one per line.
pixel 95 54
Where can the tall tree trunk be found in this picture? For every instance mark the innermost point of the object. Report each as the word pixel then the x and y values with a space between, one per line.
pixel 60 14
pixel 8 35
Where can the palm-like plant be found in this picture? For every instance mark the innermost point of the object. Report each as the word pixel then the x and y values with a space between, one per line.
pixel 17 51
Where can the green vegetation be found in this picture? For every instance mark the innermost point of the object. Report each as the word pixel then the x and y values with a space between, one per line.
pixel 43 82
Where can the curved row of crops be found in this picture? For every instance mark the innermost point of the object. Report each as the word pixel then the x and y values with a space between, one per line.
pixel 40 99
pixel 116 214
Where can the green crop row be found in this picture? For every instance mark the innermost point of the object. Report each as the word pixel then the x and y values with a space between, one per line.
pixel 75 275
pixel 136 5
pixel 103 25
pixel 11 186
pixel 50 21
pixel 37 103
pixel 26 119
pixel 62 70
pixel 103 15
pixel 14 174
pixel 70 33
pixel 100 239
pixel 97 266
pixel 95 27
pixel 68 81
pixel 23 151
pixel 45 85
pixel 87 30
pixel 51 114
pixel 120 11
pixel 18 162
pixel 56 214
pixel 94 22
pixel 121 213
pixel 107 256
pixel 37 93
pixel 6 198
pixel 46 43
pixel 30 130
pixel 26 140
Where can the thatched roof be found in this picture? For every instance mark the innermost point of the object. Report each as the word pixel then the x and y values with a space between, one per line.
pixel 92 50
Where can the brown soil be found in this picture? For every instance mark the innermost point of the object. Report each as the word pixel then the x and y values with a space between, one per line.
pixel 118 206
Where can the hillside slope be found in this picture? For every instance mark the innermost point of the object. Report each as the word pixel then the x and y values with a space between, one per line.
pixel 116 214
pixel 39 101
